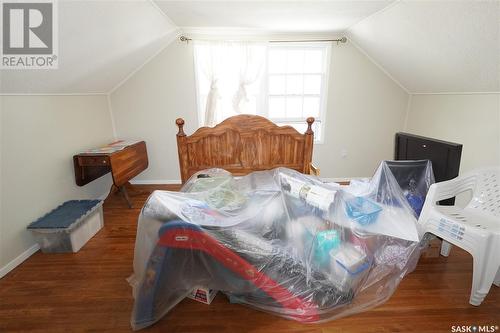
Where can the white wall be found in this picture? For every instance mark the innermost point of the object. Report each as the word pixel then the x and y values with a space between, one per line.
pixel 39 136
pixel 146 106
pixel 1 182
pixel 472 120
pixel 365 109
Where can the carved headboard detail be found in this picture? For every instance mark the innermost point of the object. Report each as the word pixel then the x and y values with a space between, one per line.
pixel 245 143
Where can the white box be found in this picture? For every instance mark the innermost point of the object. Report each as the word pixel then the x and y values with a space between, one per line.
pixel 203 295
pixel 348 266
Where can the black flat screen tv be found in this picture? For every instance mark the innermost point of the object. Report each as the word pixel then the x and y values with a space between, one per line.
pixel 445 156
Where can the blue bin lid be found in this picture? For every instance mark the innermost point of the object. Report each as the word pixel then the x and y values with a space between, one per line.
pixel 65 215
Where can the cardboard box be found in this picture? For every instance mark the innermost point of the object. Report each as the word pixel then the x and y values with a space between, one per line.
pixel 203 295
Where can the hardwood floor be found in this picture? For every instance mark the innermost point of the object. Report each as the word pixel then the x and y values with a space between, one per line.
pixel 88 292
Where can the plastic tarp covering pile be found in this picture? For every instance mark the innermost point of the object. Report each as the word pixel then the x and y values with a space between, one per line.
pixel 278 241
pixel 415 178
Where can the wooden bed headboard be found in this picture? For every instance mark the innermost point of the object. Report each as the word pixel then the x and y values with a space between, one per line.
pixel 245 143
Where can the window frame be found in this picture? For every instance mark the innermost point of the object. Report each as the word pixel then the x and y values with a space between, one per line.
pixel 323 95
pixel 263 95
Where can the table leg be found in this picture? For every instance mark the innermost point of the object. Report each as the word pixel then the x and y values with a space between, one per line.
pixel 125 195
pixel 112 190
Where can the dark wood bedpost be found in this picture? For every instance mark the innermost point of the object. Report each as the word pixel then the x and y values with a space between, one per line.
pixel 308 146
pixel 182 149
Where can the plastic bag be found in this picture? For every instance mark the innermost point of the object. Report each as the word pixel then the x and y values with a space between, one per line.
pixel 278 241
pixel 414 178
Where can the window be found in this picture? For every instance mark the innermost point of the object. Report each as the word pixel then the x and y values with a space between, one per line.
pixel 285 82
pixel 297 80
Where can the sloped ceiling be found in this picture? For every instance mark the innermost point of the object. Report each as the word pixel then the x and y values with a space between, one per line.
pixel 436 46
pixel 274 16
pixel 100 44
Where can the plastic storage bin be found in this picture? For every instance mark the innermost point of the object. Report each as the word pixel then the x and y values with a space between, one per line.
pixel 68 227
pixel 348 266
pixel 362 210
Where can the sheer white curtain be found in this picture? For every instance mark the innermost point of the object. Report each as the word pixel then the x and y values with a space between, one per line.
pixel 229 78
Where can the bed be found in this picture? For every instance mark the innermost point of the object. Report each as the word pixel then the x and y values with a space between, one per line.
pixel 245 143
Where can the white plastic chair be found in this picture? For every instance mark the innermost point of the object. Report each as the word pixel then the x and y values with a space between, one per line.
pixel 475 228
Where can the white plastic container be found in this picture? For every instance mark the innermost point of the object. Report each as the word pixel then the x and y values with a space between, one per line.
pixel 348 266
pixel 73 237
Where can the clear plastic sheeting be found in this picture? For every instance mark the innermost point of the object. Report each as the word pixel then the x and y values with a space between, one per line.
pixel 414 178
pixel 278 241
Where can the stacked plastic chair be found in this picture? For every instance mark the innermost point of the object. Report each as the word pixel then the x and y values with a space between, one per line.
pixel 475 228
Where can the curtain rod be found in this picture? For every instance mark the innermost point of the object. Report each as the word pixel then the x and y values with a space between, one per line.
pixel 338 40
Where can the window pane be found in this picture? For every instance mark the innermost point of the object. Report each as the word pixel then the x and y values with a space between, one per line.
pixel 295 61
pixel 277 107
pixel 301 127
pixel 277 61
pixel 277 85
pixel 313 61
pixel 294 107
pixel 294 84
pixel 312 84
pixel 311 107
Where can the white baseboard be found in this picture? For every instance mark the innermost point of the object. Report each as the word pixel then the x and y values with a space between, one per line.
pixel 19 260
pixel 156 182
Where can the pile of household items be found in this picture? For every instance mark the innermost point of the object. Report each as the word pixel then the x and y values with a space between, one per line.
pixel 278 241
